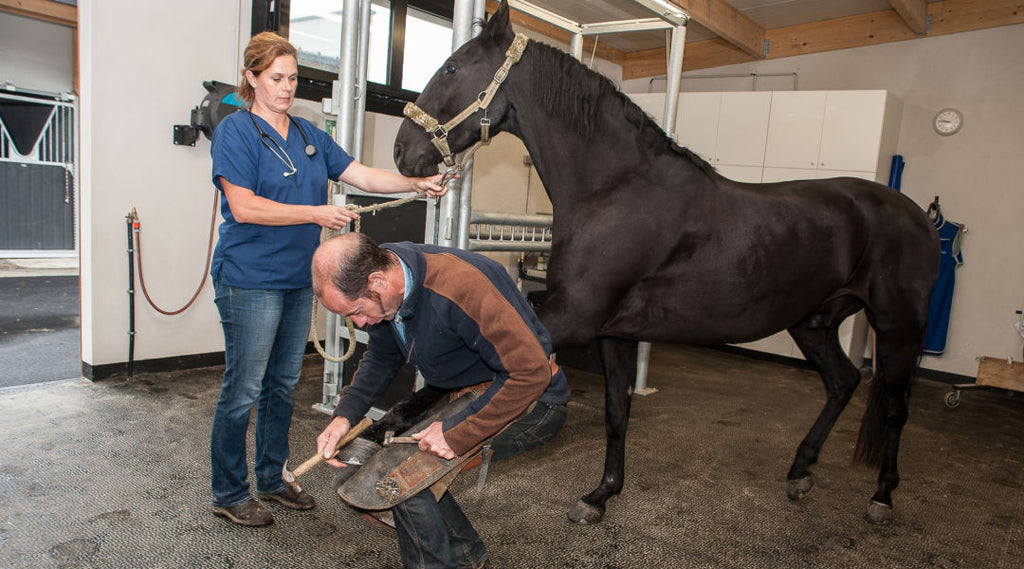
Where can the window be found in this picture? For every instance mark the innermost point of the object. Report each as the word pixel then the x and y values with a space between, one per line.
pixel 409 40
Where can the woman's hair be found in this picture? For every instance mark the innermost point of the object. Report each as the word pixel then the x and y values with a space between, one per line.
pixel 261 52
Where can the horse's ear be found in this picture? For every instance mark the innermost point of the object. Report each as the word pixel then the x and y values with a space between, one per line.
pixel 499 27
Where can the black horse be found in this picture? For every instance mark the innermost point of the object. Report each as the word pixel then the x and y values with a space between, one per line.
pixel 651 244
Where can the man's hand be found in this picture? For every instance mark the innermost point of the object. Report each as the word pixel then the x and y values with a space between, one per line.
pixel 328 440
pixel 432 440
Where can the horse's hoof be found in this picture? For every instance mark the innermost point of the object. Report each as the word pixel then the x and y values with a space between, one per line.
pixel 879 513
pixel 799 488
pixel 584 513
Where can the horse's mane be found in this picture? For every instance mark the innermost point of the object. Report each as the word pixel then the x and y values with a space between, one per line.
pixel 578 96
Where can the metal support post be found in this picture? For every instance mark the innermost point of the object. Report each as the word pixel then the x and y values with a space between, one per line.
pixel 675 74
pixel 576 46
pixel 348 132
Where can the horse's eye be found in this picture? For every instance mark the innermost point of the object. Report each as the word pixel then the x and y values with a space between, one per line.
pixel 450 68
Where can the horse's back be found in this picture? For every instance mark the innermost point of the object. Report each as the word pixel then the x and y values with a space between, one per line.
pixel 748 260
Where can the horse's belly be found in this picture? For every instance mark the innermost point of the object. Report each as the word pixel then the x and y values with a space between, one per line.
pixel 710 315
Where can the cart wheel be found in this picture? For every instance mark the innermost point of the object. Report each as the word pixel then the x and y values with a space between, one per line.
pixel 953 398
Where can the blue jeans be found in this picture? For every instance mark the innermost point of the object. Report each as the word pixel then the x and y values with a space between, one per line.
pixel 435 534
pixel 265 335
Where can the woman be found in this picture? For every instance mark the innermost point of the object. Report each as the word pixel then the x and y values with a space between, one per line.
pixel 273 170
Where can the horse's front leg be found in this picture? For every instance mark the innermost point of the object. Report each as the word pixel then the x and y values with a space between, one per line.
pixel 619 359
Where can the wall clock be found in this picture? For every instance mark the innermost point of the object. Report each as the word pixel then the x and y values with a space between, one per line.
pixel 948 121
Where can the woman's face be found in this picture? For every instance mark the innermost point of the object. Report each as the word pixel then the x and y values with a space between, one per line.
pixel 275 86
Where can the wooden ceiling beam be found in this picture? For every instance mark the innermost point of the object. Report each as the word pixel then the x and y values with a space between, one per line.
pixel 948 17
pixel 914 14
pixel 55 12
pixel 727 23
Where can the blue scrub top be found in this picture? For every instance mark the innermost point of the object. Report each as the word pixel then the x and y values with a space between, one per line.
pixel 263 256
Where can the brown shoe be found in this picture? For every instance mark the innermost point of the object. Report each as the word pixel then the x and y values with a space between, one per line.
pixel 249 513
pixel 296 500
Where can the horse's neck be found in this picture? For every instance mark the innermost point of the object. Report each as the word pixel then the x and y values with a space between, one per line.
pixel 569 166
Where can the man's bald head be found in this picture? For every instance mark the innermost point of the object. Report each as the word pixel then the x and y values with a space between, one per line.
pixel 346 263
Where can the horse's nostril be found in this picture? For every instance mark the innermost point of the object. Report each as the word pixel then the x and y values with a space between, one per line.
pixel 398 152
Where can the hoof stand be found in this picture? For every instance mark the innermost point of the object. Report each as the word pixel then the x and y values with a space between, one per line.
pixel 584 513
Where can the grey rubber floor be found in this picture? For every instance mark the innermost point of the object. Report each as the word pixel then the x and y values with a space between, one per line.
pixel 115 475
pixel 39 329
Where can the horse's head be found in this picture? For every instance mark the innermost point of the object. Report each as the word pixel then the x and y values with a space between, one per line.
pixel 454 88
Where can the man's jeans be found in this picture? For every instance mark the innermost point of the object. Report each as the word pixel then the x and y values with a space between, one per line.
pixel 435 534
pixel 265 334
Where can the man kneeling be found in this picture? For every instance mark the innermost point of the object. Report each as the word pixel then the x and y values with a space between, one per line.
pixel 460 320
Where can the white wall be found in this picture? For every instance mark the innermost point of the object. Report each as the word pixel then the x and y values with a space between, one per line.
pixel 36 55
pixel 977 173
pixel 142 65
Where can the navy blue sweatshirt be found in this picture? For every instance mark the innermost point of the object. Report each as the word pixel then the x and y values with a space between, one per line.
pixel 465 323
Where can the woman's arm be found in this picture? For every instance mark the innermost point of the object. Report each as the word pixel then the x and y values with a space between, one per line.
pixel 247 207
pixel 377 181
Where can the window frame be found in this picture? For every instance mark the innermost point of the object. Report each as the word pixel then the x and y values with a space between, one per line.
pixel 316 84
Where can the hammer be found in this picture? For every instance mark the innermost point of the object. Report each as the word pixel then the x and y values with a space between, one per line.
pixel 390 439
pixel 290 477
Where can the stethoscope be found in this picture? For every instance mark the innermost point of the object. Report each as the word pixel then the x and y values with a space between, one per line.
pixel 281 153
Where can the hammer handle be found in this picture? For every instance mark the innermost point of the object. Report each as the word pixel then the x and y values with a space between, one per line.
pixel 319 457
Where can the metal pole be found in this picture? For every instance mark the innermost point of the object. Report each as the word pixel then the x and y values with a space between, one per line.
pixel 576 46
pixel 343 100
pixel 344 87
pixel 465 208
pixel 674 76
pixel 453 217
pixel 360 82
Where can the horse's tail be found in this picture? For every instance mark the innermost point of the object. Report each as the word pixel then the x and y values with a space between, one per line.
pixel 870 449
pixel 871 441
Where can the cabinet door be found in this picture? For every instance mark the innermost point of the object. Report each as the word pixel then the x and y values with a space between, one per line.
pixel 852 130
pixel 794 129
pixel 743 128
pixel 697 123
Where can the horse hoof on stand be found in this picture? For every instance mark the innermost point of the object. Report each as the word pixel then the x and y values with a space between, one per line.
pixel 584 513
pixel 879 513
pixel 799 488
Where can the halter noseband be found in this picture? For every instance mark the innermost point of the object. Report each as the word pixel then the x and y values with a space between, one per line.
pixel 438 133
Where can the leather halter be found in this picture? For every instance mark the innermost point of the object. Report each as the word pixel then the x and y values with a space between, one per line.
pixel 439 133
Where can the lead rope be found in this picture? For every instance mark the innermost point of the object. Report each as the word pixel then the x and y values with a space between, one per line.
pixel 326 234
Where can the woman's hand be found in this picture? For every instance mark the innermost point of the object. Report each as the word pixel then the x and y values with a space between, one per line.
pixel 332 216
pixel 431 186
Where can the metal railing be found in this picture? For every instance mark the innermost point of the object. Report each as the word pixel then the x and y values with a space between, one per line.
pixel 496 231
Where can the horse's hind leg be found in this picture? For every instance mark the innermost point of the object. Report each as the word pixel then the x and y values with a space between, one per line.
pixel 886 414
pixel 619 359
pixel 820 345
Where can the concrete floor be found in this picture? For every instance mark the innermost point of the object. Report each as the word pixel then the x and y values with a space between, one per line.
pixel 115 475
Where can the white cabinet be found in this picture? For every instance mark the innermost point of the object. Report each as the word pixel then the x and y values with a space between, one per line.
pixel 742 128
pixel 728 130
pixel 824 134
pixel 697 123
pixel 794 129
